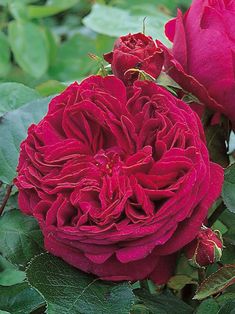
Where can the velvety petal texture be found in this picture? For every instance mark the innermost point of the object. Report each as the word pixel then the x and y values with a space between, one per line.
pixel 118 177
pixel 202 60
pixel 135 51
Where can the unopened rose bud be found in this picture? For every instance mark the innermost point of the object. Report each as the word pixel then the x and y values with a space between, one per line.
pixel 206 248
pixel 135 52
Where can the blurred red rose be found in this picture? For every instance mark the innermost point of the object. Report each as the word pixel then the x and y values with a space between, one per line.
pixel 206 249
pixel 119 179
pixel 203 55
pixel 135 51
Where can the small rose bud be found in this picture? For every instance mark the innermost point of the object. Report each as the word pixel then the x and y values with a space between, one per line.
pixel 206 248
pixel 135 52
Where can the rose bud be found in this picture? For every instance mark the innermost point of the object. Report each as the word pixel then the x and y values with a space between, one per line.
pixel 203 56
pixel 119 178
pixel 206 249
pixel 135 51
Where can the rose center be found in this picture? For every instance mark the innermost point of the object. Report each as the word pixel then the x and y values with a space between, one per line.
pixel 107 162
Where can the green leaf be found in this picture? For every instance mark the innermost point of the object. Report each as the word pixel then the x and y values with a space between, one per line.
pixel 225 298
pixel 141 309
pixel 228 193
pixel 11 277
pixel 216 137
pixel 173 5
pixel 12 201
pixel 139 4
pixel 14 126
pixel 73 59
pixel 228 308
pixel 228 253
pixel 28 43
pixel 68 290
pixel 9 274
pixel 184 267
pixel 19 299
pixel 218 225
pixel 52 7
pixel 104 44
pixel 209 306
pixel 14 95
pixel 160 304
pixel 6 2
pixel 20 237
pixel 5 54
pixel 117 22
pixel 228 219
pixel 178 282
pixel 18 11
pixel 3 2
pixel 50 87
pixel 216 282
pixel 52 44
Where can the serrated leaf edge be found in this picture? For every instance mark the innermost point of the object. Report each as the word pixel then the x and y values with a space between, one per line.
pixel 27 280
pixel 208 278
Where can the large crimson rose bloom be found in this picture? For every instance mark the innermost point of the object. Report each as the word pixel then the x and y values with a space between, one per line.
pixel 203 55
pixel 118 179
pixel 135 51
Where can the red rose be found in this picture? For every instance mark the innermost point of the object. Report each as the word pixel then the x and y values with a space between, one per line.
pixel 206 249
pixel 135 51
pixel 118 179
pixel 203 55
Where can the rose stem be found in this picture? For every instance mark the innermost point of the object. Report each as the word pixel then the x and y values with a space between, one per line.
pixel 6 197
pixel 219 210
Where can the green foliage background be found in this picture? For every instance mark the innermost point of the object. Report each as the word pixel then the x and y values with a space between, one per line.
pixel 45 45
pixel 46 42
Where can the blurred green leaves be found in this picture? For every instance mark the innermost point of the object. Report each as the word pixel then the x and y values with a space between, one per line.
pixel 51 7
pixel 151 5
pixel 28 43
pixel 5 63
pixel 14 95
pixel 33 44
pixel 77 59
pixel 50 40
pixel 77 63
pixel 14 125
pixel 117 22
